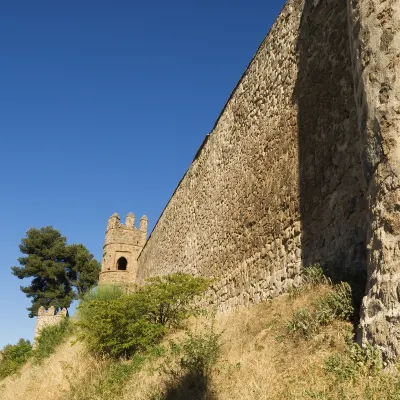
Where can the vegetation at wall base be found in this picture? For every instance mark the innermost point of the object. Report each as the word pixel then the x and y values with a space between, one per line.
pixel 337 304
pixel 195 359
pixel 50 337
pixel 13 357
pixel 119 325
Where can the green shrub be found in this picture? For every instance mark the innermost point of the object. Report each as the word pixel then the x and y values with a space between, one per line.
pixel 121 326
pixel 118 327
pixel 336 305
pixel 106 292
pixel 356 361
pixel 196 357
pixel 50 337
pixel 303 323
pixel 315 275
pixel 201 352
pixel 14 357
pixel 169 299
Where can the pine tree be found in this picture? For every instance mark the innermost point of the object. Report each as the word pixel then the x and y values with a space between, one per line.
pixel 60 273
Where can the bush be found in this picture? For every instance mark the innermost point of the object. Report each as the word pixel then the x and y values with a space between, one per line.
pixel 169 299
pixel 314 275
pixel 201 352
pixel 303 323
pixel 334 305
pixel 14 357
pixel 191 378
pixel 50 337
pixel 106 292
pixel 118 327
pixel 121 326
pixel 356 361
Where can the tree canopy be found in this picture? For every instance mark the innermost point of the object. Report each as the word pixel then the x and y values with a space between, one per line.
pixel 60 272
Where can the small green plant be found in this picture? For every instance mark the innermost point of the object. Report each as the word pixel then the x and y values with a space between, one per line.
pixel 197 355
pixel 356 361
pixel 119 326
pixel 116 375
pixel 303 323
pixel 314 275
pixel 336 305
pixel 50 337
pixel 14 357
pixel 106 379
pixel 201 352
pixel 104 292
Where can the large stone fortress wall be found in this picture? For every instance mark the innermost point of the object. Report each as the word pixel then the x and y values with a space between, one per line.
pixel 122 246
pixel 278 182
pixel 302 166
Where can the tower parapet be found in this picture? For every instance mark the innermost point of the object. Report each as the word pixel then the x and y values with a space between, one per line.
pixel 122 246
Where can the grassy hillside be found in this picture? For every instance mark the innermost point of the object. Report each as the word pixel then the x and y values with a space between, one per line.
pixel 268 351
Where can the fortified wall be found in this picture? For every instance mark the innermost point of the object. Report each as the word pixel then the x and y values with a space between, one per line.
pixel 278 183
pixel 301 166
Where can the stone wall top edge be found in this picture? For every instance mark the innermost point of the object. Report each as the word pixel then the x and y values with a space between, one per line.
pixel 283 11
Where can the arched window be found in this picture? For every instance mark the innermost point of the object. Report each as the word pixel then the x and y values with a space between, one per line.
pixel 122 264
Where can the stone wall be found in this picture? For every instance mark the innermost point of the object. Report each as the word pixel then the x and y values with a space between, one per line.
pixel 375 28
pixel 278 183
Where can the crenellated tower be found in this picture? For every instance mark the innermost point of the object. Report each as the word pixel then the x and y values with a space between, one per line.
pixel 121 250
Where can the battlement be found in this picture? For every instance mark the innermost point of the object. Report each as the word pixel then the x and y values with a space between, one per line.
pixel 42 312
pixel 114 222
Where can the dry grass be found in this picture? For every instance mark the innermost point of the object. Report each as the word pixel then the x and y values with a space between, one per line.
pixel 259 361
pixel 49 380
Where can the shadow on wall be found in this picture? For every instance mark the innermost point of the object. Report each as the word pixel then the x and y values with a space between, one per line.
pixel 333 208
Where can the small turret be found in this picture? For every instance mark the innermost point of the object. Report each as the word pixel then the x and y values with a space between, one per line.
pixel 122 246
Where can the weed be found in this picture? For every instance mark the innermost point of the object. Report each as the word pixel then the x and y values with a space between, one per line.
pixel 337 304
pixel 314 275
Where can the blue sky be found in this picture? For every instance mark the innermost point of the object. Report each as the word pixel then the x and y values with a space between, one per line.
pixel 103 105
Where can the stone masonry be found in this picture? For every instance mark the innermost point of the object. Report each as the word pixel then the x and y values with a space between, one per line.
pixel 302 166
pixel 278 184
pixel 122 247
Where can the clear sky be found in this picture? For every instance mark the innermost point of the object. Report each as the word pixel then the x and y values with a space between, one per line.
pixel 103 105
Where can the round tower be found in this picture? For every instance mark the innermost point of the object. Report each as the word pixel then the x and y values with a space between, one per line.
pixel 121 250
